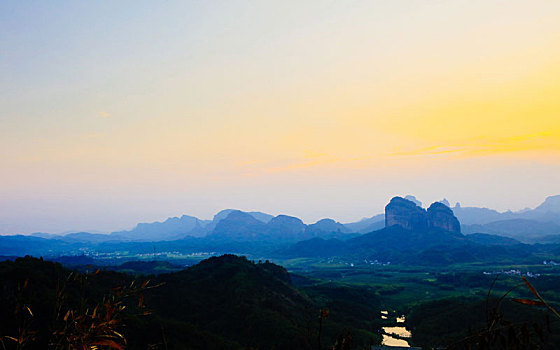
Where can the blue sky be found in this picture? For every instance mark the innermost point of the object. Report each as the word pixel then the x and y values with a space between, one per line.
pixel 117 113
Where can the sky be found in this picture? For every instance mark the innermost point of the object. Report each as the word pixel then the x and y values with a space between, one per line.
pixel 114 113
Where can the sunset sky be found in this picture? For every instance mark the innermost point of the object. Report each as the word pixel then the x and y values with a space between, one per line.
pixel 114 113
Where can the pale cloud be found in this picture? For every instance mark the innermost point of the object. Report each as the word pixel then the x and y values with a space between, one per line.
pixel 102 115
pixel 538 144
pixel 439 149
pixel 480 146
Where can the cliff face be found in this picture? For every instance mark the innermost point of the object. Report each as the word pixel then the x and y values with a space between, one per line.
pixel 408 215
pixel 441 216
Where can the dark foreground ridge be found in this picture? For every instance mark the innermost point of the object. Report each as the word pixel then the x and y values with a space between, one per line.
pixel 229 302
pixel 225 302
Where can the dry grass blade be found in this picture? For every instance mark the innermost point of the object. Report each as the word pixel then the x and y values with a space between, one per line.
pixel 529 302
pixel 118 335
pixel 534 291
pixel 110 343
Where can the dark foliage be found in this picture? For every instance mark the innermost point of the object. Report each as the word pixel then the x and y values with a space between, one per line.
pixel 221 303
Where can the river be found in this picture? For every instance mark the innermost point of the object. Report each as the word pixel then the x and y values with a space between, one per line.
pixel 392 335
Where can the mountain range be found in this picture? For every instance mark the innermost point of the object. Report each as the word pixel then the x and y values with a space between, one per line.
pixel 405 232
pixel 413 235
pixel 528 225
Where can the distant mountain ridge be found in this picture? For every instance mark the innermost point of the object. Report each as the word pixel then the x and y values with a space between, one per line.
pixel 366 225
pixel 541 224
pixel 241 226
pixel 172 228
pixel 411 235
pixel 228 224
pixel 529 225
pixel 416 236
pixel 521 229
pixel 548 211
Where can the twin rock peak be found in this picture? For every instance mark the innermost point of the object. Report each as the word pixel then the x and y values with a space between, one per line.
pixel 408 215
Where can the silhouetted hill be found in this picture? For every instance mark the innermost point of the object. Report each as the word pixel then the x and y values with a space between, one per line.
pixel 476 215
pixel 434 247
pixel 548 211
pixel 366 225
pixel 488 239
pixel 263 217
pixel 285 228
pixel 552 239
pixel 313 248
pixel 398 244
pixel 437 322
pixel 225 302
pixel 170 229
pixel 251 303
pixel 524 230
pixel 86 237
pixel 550 205
pixel 326 228
pixel 416 236
pixel 239 226
pixel 20 245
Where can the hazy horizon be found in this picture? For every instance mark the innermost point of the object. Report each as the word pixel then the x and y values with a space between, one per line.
pixel 307 222
pixel 119 113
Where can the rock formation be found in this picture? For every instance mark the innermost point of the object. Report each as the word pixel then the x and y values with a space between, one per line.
pixel 441 216
pixel 405 213
pixel 408 215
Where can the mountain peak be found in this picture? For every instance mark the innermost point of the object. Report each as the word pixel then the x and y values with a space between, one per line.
pixel 405 213
pixel 240 216
pixel 262 217
pixel 286 219
pixel 408 215
pixel 285 227
pixel 550 204
pixel 328 225
pixel 413 200
pixel 441 216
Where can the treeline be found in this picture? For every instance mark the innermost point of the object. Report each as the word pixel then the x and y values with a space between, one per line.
pixel 221 303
